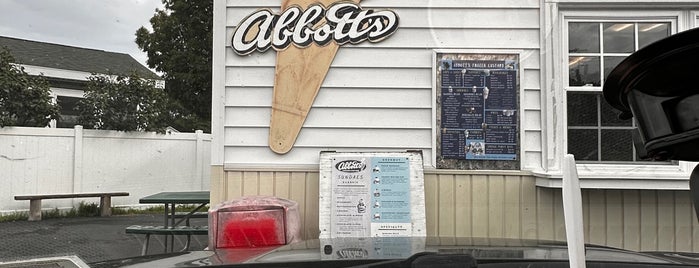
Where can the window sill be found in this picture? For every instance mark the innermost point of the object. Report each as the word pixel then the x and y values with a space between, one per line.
pixel 640 177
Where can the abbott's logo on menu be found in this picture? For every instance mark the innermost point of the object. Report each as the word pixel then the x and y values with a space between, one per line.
pixel 352 253
pixel 350 166
pixel 344 22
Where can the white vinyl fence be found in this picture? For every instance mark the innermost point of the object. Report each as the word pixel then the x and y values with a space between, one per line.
pixel 47 161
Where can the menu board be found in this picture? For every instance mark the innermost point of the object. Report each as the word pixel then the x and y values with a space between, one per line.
pixel 374 190
pixel 372 195
pixel 478 113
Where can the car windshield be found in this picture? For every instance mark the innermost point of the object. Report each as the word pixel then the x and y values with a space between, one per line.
pixel 164 132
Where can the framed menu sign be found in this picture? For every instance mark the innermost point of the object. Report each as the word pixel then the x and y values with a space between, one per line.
pixel 371 194
pixel 477 110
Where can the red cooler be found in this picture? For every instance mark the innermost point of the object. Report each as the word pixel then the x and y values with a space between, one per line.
pixel 256 221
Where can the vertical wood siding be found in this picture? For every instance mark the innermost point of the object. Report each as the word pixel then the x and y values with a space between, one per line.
pixel 378 96
pixel 499 206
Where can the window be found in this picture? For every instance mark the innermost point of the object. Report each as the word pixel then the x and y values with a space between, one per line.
pixel 594 133
pixel 69 116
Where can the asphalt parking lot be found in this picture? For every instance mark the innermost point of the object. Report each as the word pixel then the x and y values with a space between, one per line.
pixel 90 238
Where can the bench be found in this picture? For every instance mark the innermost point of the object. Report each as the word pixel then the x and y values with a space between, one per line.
pixel 197 215
pixel 35 202
pixel 161 230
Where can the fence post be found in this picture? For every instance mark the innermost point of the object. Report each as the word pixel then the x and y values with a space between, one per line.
pixel 199 158
pixel 78 160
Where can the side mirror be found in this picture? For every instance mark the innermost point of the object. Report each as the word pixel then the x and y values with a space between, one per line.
pixel 658 85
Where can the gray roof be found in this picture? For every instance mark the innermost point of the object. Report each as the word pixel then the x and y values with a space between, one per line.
pixel 64 57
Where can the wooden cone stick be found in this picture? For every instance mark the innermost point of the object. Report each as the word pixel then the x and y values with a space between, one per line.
pixel 298 76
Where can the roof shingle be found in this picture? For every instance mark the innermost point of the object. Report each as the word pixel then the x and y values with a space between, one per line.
pixel 58 56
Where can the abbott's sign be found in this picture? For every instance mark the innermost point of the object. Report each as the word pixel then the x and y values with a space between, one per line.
pixel 316 32
pixel 342 22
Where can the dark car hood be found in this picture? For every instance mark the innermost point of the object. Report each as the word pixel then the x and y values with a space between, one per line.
pixel 362 250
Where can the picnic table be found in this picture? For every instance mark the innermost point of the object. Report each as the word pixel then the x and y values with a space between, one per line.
pixel 172 220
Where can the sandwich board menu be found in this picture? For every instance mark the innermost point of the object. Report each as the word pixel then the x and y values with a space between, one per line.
pixel 478 107
pixel 371 195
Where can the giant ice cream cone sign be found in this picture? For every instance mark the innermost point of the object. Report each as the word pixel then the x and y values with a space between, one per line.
pixel 306 35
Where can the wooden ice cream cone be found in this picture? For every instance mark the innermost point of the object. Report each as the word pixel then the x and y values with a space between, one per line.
pixel 298 76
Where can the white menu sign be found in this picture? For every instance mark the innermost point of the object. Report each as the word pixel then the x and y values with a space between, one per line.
pixel 371 195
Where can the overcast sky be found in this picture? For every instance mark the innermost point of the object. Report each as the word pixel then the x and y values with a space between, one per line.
pixel 108 25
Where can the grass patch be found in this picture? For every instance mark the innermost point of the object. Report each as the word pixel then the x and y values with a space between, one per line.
pixel 135 211
pixel 14 216
pixel 50 214
pixel 154 210
pixel 92 210
pixel 87 210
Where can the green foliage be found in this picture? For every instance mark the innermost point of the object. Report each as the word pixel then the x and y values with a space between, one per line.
pixel 180 48
pixel 88 209
pixel 24 100
pixel 14 216
pixel 127 103
pixel 153 210
pixel 51 214
pixel 92 210
pixel 135 211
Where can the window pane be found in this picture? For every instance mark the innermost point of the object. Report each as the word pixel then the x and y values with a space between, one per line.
pixel 582 143
pixel 618 37
pixel 583 37
pixel 651 32
pixel 610 116
pixel 584 71
pixel 69 116
pixel 610 63
pixel 617 145
pixel 582 109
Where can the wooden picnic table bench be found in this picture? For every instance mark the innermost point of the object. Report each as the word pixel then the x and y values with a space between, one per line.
pixel 35 201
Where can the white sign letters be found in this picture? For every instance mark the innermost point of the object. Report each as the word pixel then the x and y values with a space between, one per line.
pixel 343 22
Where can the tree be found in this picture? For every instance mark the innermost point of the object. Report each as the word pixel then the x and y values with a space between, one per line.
pixel 127 103
pixel 180 47
pixel 25 100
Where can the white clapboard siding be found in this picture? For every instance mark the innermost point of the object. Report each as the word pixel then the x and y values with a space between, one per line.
pixel 379 96
pixel 531 120
pixel 340 77
pixel 351 56
pixel 390 138
pixel 302 156
pixel 453 38
pixel 339 118
pixel 347 56
pixel 409 4
pixel 337 97
pixel 493 18
pixel 532 160
pixel 532 99
pixel 530 80
pixel 356 77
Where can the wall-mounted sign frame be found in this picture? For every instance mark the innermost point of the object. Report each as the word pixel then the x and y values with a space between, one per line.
pixel 371 194
pixel 477 112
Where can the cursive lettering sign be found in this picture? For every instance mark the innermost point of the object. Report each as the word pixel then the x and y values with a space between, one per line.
pixel 350 166
pixel 343 22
